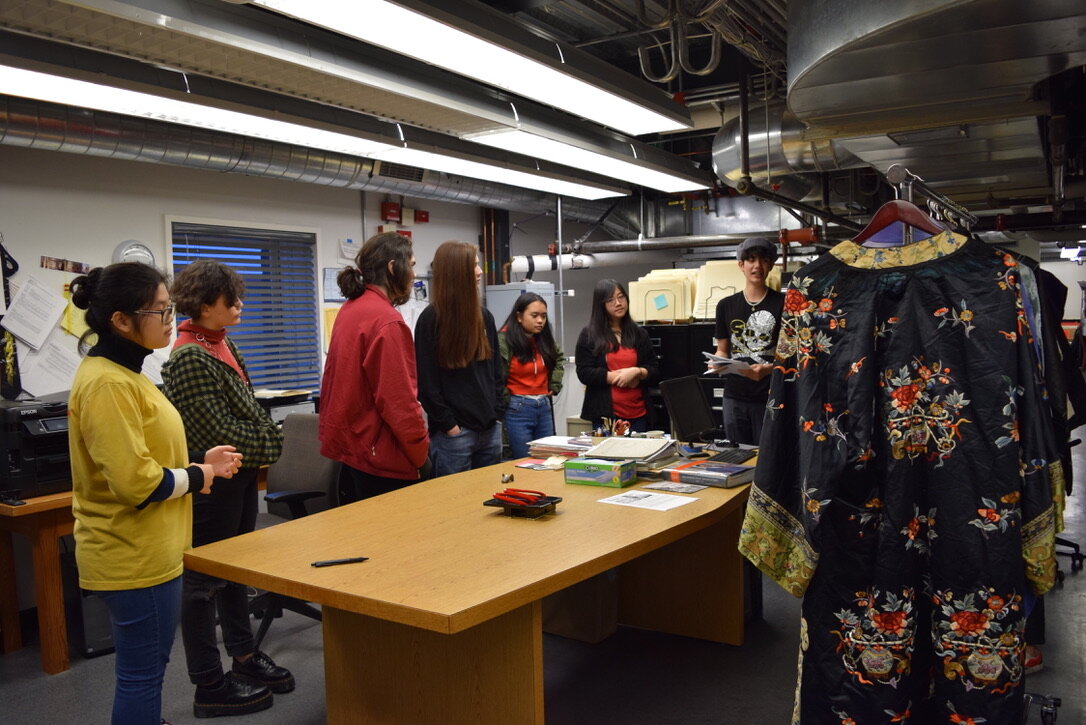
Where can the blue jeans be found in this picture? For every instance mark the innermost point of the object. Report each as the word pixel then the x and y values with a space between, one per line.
pixel 470 449
pixel 527 418
pixel 144 622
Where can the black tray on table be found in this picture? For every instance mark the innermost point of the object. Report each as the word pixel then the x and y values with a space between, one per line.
pixel 544 506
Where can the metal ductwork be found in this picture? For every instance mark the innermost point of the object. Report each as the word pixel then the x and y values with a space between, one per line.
pixel 53 127
pixel 947 88
pixel 780 158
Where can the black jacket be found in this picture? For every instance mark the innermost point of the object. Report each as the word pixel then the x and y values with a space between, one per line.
pixel 592 371
pixel 469 397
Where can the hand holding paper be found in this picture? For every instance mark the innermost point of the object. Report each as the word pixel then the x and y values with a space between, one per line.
pixel 724 365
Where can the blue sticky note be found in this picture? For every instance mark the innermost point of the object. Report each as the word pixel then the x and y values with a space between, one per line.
pixel 661 301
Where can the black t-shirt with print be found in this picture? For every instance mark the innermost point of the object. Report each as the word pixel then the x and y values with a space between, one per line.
pixel 751 333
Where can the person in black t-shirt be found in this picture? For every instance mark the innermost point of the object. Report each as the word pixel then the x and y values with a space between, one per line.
pixel 747 324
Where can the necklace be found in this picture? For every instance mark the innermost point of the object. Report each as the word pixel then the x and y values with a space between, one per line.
pixel 754 305
pixel 210 348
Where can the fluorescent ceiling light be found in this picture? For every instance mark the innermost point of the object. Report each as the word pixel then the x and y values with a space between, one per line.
pixel 72 92
pixel 414 34
pixel 475 169
pixel 68 91
pixel 1071 253
pixel 541 147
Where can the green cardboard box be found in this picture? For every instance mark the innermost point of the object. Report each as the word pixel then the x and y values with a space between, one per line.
pixel 600 472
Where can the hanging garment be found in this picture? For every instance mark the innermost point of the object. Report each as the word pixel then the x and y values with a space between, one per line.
pixel 904 486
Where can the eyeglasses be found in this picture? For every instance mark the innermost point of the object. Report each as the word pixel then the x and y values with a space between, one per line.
pixel 615 300
pixel 165 315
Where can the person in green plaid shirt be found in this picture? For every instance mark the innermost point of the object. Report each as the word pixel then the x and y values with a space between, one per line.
pixel 206 380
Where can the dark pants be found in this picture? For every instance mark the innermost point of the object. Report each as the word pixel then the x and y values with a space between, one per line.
pixel 743 420
pixel 355 485
pixel 229 510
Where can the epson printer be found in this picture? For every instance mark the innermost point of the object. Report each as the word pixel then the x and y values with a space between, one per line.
pixel 34 444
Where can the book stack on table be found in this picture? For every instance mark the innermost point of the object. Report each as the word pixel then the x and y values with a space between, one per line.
pixel 709 473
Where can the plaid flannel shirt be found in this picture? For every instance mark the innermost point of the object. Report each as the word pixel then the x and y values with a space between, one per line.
pixel 218 406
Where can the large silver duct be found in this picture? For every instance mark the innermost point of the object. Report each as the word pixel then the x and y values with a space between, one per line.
pixel 53 127
pixel 779 155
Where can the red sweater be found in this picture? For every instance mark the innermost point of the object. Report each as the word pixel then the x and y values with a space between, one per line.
pixel 370 415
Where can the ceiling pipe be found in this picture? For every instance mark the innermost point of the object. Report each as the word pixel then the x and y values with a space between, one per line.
pixel 651 245
pixel 53 127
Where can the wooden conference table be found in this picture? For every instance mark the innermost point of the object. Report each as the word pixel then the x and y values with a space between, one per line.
pixel 43 520
pixel 443 623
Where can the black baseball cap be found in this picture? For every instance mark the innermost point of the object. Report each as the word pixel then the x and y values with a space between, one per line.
pixel 761 246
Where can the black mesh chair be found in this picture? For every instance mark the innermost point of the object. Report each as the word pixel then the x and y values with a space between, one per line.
pixel 300 483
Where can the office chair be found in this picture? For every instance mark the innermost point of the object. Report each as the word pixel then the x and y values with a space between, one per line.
pixel 301 482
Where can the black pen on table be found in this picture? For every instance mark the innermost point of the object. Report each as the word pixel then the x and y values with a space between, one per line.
pixel 335 562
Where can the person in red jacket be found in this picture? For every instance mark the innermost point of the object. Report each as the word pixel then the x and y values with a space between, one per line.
pixel 370 417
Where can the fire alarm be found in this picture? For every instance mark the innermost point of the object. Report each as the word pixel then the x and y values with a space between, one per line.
pixel 390 211
pixel 421 217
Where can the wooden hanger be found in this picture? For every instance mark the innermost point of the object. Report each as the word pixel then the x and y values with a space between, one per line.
pixel 898 210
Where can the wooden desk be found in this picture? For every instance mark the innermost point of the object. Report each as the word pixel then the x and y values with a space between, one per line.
pixel 43 520
pixel 443 623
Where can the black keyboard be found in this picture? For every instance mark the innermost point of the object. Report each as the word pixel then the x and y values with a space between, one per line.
pixel 734 455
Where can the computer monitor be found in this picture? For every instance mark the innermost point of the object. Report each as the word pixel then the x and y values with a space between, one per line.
pixel 691 415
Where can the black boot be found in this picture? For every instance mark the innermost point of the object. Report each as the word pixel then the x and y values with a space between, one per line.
pixel 231 696
pixel 261 670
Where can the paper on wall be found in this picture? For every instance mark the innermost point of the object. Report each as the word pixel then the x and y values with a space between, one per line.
pixel 34 312
pixel 49 370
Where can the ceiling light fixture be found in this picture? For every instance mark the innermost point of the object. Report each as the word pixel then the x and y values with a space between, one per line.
pixel 479 49
pixel 73 92
pixel 629 170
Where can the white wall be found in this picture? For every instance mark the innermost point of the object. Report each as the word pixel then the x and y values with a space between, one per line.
pixel 81 207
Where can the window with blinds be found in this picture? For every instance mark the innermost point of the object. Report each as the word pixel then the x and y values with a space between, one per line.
pixel 279 333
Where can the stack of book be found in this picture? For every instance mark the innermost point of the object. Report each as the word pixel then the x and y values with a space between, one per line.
pixel 709 473
pixel 642 450
pixel 559 446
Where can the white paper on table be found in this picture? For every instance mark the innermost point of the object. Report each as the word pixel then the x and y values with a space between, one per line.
pixel 34 312
pixel 646 500
pixel 49 370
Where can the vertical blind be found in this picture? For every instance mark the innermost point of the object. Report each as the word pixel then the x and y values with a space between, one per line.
pixel 279 333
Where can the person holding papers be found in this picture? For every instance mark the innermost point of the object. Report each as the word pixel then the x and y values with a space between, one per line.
pixel 207 381
pixel 131 477
pixel 615 361
pixel 747 325
pixel 532 368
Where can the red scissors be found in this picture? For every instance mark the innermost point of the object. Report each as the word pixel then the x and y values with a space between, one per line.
pixel 520 496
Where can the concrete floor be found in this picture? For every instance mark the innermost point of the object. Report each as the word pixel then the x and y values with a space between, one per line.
pixel 633 678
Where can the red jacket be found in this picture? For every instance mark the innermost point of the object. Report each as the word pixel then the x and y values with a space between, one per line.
pixel 370 417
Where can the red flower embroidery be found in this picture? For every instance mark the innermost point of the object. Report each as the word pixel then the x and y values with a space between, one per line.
pixel 990 514
pixel 940 312
pixel 889 622
pixel 1009 261
pixel 969 624
pixel 825 304
pixel 913 528
pixel 995 603
pixel 795 301
pixel 904 396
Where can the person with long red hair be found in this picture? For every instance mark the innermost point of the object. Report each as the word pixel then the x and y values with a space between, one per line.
pixel 459 372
